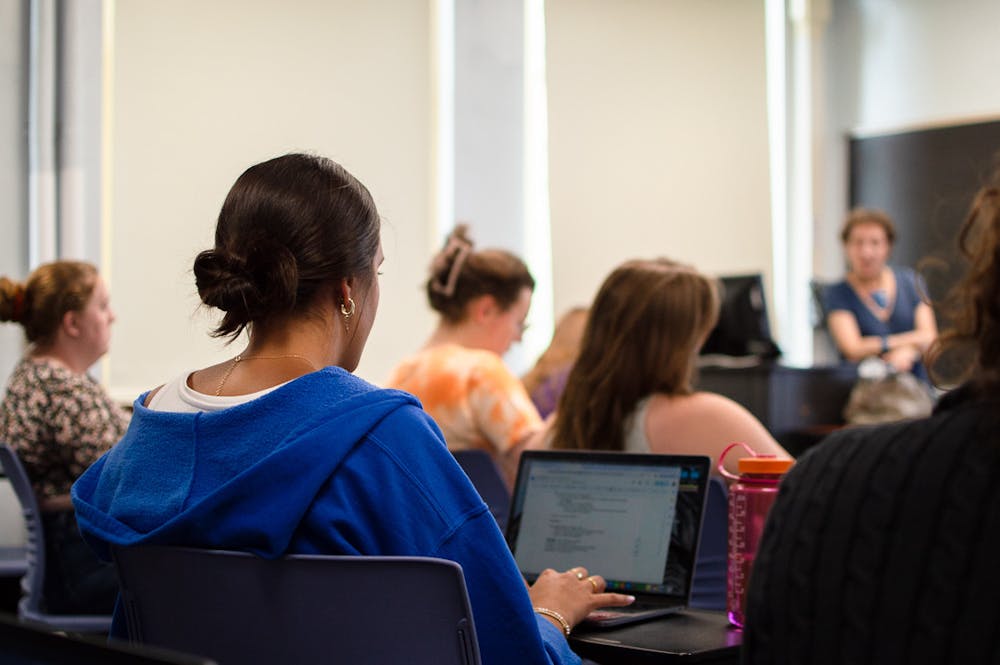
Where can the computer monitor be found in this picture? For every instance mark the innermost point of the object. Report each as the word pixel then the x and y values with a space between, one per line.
pixel 26 644
pixel 743 329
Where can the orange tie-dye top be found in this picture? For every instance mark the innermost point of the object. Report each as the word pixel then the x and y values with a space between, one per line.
pixel 472 396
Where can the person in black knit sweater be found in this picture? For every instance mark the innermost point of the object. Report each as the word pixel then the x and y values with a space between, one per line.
pixel 882 546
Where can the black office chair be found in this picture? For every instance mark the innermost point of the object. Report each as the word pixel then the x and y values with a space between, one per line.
pixel 22 643
pixel 13 558
pixel 31 606
pixel 817 291
pixel 238 608
pixel 826 348
pixel 488 481
pixel 708 591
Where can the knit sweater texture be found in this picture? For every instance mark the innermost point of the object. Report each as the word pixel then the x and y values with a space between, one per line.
pixel 882 546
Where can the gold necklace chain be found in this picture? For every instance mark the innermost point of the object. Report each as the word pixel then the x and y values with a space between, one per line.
pixel 240 358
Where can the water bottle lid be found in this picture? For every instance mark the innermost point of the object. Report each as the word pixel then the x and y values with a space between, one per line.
pixel 764 464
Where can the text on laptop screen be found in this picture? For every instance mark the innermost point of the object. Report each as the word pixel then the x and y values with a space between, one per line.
pixel 617 520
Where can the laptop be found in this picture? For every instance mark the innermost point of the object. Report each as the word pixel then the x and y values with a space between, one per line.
pixel 634 519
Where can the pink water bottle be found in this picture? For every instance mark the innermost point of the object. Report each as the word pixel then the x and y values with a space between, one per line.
pixel 750 500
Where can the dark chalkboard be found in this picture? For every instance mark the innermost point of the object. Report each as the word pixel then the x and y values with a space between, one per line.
pixel 925 180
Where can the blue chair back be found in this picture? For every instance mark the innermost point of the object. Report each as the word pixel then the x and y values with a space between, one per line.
pixel 31 606
pixel 708 590
pixel 234 607
pixel 488 481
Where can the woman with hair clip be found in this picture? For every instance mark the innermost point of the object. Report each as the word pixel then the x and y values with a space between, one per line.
pixel 59 420
pixel 881 547
pixel 281 449
pixel 630 388
pixel 482 297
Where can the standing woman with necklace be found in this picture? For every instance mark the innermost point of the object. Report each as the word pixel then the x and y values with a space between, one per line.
pixel 59 420
pixel 282 450
pixel 878 310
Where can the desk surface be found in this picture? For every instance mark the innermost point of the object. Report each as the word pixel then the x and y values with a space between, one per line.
pixel 692 636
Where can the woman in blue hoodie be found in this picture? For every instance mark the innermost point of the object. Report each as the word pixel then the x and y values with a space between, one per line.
pixel 282 450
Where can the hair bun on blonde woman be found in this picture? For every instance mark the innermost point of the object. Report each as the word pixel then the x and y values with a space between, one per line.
pixel 12 300
pixel 40 301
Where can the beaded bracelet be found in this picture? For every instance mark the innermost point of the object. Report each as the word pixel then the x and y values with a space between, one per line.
pixel 544 611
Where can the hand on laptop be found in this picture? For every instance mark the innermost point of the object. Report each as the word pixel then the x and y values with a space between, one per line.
pixel 573 594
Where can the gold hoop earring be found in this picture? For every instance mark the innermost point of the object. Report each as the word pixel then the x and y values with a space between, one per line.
pixel 348 313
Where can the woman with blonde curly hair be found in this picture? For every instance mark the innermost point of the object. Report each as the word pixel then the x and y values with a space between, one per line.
pixel 58 419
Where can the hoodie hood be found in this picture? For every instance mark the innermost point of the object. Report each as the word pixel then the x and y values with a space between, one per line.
pixel 251 471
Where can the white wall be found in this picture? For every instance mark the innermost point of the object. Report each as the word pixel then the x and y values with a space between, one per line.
pixel 658 137
pixel 13 164
pixel 894 64
pixel 80 108
pixel 201 91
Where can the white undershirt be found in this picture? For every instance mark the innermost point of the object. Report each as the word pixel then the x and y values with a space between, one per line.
pixel 636 440
pixel 177 396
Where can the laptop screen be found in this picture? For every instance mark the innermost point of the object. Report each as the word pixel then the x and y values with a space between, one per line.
pixel 633 519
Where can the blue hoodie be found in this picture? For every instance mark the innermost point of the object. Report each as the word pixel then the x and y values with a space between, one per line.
pixel 326 464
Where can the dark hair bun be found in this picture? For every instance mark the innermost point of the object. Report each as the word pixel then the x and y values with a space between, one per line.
pixel 228 283
pixel 289 227
pixel 222 282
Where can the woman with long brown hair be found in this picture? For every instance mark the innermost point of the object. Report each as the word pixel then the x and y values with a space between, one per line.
pixel 631 386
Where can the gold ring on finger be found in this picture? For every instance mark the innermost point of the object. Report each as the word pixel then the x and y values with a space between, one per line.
pixel 579 575
pixel 593 583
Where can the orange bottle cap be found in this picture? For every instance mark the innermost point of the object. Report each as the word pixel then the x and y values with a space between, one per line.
pixel 764 464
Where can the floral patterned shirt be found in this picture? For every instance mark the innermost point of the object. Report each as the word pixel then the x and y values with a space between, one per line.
pixel 59 422
pixel 472 396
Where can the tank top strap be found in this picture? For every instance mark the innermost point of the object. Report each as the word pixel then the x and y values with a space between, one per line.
pixel 635 429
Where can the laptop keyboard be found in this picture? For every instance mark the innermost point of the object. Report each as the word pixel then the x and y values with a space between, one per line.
pixel 605 613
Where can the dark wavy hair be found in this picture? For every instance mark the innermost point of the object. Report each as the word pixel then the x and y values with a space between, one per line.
pixel 969 348
pixel 646 324
pixel 460 274
pixel 289 227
